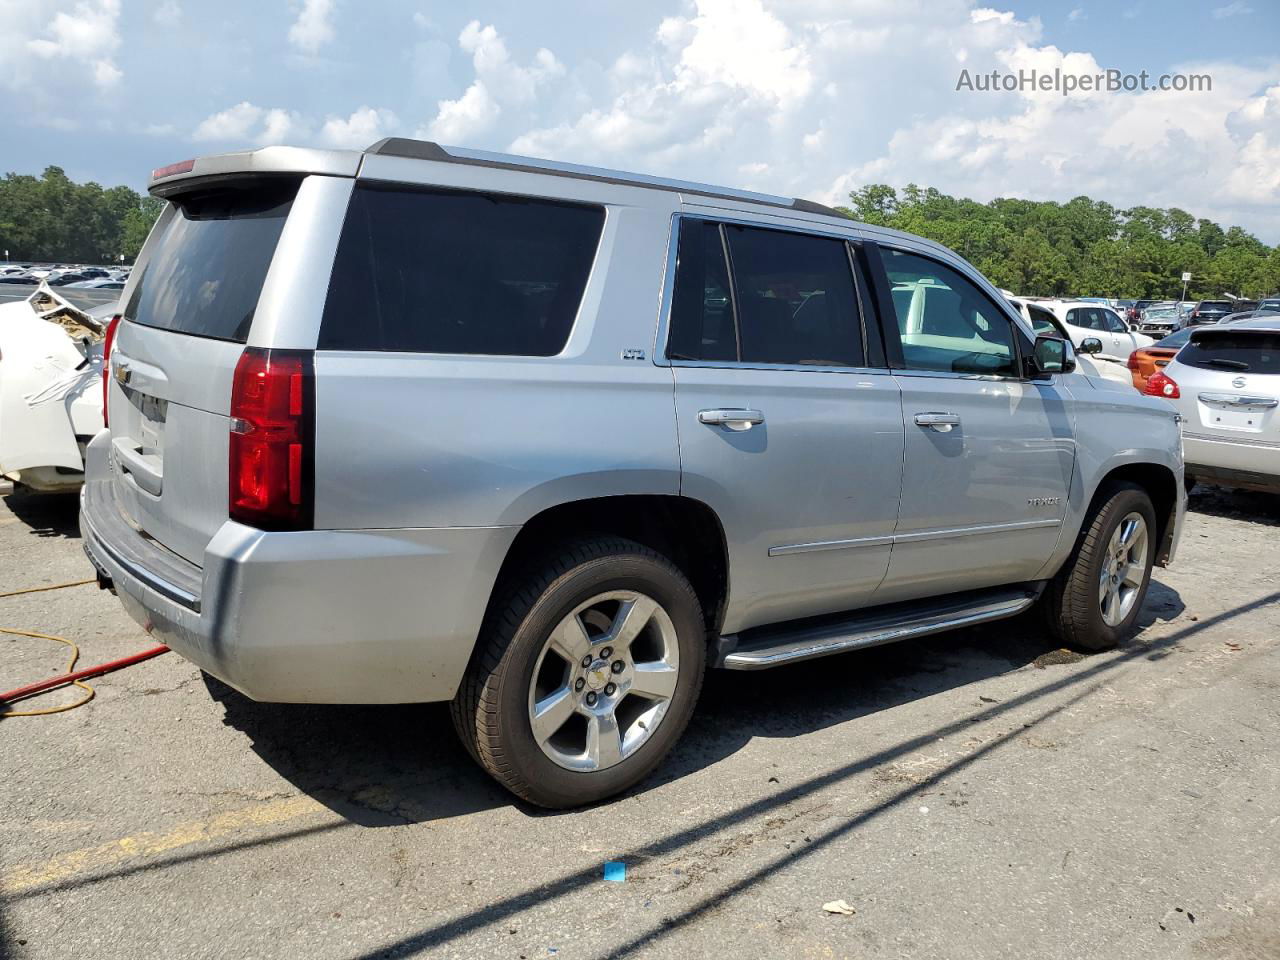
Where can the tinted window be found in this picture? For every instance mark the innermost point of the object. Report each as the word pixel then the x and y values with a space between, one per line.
pixel 205 269
pixel 1228 351
pixel 701 311
pixel 1085 318
pixel 795 298
pixel 1215 305
pixel 944 321
pixel 458 272
pixel 1174 339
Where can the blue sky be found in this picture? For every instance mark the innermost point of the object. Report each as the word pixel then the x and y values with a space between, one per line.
pixel 803 97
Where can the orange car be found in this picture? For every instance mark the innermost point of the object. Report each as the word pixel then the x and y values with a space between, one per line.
pixel 1145 361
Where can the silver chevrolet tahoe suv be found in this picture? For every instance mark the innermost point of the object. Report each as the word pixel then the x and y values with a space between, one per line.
pixel 546 441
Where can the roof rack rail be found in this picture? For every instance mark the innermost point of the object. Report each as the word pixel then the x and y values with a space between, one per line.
pixel 428 150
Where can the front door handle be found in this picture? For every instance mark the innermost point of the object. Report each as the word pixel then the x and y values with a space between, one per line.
pixel 942 422
pixel 731 419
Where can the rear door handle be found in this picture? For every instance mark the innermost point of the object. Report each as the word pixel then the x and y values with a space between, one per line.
pixel 942 422
pixel 731 419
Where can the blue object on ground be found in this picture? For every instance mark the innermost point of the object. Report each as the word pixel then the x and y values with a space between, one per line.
pixel 615 871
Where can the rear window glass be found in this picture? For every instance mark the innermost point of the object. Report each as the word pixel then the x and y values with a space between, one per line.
pixel 429 271
pixel 1215 305
pixel 205 269
pixel 1238 351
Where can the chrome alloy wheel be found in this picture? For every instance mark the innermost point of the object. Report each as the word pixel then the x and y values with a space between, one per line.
pixel 604 680
pixel 1123 568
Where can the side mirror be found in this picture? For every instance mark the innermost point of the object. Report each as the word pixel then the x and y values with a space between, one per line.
pixel 1051 356
pixel 1090 345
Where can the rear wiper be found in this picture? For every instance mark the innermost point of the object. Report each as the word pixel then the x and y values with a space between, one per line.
pixel 1231 364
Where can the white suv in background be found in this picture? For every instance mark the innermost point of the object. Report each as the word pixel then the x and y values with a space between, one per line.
pixel 1093 320
pixel 1226 385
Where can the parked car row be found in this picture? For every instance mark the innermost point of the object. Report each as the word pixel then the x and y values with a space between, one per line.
pixel 108 278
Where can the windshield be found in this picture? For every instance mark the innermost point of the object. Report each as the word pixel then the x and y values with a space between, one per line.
pixel 1174 340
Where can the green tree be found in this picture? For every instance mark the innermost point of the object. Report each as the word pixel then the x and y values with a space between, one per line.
pixel 53 218
pixel 1083 247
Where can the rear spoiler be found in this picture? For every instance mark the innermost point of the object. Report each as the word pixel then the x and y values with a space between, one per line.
pixel 178 178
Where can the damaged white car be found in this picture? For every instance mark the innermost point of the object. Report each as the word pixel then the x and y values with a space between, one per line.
pixel 50 389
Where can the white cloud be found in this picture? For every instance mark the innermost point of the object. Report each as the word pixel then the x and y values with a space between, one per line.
pixel 168 13
pixel 258 125
pixel 815 97
pixel 1234 9
pixel 364 127
pixel 1076 14
pixel 987 15
pixel 85 36
pixel 313 28
pixel 499 81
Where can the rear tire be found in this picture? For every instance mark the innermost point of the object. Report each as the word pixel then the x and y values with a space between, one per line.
pixel 1097 597
pixel 543 711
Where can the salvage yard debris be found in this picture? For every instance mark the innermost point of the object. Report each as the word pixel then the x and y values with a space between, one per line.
pixel 50 401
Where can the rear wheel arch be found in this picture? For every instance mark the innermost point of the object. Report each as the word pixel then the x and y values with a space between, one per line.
pixel 686 531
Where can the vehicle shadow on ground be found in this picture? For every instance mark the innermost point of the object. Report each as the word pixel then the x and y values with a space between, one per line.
pixel 389 765
pixel 46 514
pixel 1231 504
pixel 375 766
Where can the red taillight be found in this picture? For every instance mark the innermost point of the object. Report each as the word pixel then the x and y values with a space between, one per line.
pixel 272 425
pixel 108 339
pixel 1160 384
pixel 173 169
pixel 1133 360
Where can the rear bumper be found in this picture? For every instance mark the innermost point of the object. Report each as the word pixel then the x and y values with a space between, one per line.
pixel 318 616
pixel 1238 463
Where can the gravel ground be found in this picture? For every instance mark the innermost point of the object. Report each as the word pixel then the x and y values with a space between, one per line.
pixel 974 795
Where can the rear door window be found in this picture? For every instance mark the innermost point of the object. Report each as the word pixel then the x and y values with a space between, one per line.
pixel 441 271
pixel 702 324
pixel 205 269
pixel 776 298
pixel 1234 351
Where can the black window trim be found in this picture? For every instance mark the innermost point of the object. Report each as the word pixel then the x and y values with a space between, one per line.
pixel 662 338
pixel 889 320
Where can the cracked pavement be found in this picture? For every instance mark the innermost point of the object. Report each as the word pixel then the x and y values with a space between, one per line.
pixel 977 794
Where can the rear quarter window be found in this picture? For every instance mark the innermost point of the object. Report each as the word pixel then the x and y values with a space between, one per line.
pixel 205 269
pixel 441 271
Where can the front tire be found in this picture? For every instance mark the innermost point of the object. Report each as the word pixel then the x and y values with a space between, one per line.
pixel 1095 600
pixel 585 674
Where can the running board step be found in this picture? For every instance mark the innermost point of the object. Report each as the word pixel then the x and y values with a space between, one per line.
pixel 764 647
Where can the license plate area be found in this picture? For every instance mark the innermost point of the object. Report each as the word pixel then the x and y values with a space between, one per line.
pixel 1236 413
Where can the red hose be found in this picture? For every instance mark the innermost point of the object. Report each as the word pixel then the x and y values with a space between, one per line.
pixel 64 678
